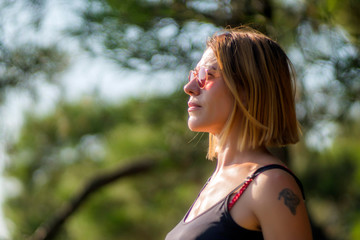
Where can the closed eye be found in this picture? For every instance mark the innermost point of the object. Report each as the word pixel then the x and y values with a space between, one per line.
pixel 213 74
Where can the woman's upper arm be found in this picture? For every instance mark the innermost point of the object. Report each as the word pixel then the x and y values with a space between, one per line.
pixel 280 208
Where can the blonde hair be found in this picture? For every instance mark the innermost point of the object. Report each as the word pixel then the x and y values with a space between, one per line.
pixel 261 79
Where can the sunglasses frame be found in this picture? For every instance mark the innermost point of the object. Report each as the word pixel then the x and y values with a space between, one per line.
pixel 196 75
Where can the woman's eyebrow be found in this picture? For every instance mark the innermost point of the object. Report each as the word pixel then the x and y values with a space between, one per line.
pixel 213 68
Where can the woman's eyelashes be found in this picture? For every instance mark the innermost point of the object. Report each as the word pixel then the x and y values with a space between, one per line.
pixel 211 74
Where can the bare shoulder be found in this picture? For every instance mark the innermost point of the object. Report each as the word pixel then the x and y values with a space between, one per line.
pixel 279 206
pixel 276 184
pixel 273 179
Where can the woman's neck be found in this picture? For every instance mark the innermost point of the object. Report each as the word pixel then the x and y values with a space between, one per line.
pixel 230 156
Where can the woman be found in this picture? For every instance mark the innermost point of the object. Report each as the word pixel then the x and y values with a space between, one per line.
pixel 242 94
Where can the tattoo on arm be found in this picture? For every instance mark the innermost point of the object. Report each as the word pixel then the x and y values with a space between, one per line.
pixel 291 200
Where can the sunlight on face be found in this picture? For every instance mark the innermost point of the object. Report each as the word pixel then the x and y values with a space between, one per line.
pixel 210 107
pixel 208 60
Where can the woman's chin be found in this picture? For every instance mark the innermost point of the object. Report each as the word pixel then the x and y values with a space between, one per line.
pixel 195 127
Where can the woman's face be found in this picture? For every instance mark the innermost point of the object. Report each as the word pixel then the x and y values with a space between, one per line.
pixel 211 106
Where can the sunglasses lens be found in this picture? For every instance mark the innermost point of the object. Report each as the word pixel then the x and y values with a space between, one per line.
pixel 202 77
pixel 191 75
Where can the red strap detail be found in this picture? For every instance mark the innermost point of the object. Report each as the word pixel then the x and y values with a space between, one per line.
pixel 238 195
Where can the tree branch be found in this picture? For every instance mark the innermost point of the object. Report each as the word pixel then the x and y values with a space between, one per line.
pixel 49 229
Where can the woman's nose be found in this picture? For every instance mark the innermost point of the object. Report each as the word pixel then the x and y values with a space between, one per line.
pixel 192 88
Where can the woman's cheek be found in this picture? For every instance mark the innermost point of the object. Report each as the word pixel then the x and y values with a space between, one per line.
pixel 208 85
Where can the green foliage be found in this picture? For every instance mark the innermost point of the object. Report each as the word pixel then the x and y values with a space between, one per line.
pixel 174 33
pixel 57 153
pixel 20 65
pixel 137 33
pixel 332 179
pixel 337 12
pixel 24 62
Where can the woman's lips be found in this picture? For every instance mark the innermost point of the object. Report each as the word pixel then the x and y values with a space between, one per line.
pixel 193 106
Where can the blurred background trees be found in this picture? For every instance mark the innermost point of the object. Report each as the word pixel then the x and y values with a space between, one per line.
pixel 58 151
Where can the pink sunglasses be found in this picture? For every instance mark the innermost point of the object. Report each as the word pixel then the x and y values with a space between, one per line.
pixel 201 76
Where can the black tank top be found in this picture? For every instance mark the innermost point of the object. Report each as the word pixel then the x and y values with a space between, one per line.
pixel 216 223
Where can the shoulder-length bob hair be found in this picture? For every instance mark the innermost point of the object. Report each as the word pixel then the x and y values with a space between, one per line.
pixel 261 79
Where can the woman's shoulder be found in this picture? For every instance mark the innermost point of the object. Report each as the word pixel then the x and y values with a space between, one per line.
pixel 277 189
pixel 270 176
pixel 275 177
pixel 278 203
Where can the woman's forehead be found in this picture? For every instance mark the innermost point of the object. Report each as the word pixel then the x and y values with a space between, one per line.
pixel 208 60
